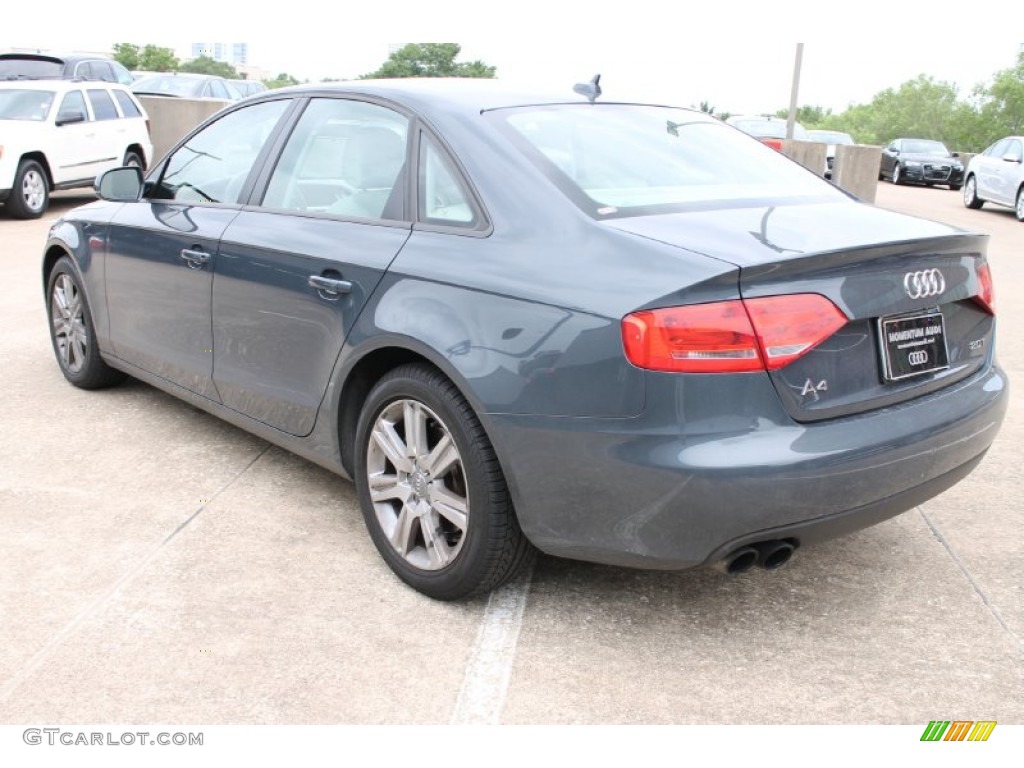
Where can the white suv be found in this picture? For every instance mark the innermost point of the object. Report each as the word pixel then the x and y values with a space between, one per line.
pixel 60 134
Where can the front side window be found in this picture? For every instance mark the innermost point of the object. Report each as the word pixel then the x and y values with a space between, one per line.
pixel 345 158
pixel 624 160
pixel 102 105
pixel 72 105
pixel 999 148
pixel 214 164
pixel 1014 151
pixel 442 199
pixel 18 104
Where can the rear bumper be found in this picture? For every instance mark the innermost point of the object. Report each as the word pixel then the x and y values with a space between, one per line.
pixel 683 485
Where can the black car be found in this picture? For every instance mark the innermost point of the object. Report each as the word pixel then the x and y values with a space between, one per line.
pixel 40 66
pixel 921 161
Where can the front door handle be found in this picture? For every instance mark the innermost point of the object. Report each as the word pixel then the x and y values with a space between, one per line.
pixel 195 259
pixel 329 287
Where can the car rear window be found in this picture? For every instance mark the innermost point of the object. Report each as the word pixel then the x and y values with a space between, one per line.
pixel 128 108
pixel 621 160
pixel 17 104
pixel 30 69
pixel 169 85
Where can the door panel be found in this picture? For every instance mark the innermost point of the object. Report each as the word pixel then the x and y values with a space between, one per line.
pixel 276 337
pixel 160 291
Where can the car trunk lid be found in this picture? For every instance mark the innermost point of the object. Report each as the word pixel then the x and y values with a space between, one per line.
pixel 910 289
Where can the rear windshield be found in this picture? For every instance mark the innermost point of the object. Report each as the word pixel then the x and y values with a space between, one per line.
pixel 30 69
pixel 621 160
pixel 17 104
pixel 169 85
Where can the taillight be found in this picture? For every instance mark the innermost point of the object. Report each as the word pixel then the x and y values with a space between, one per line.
pixel 775 144
pixel 986 291
pixel 730 336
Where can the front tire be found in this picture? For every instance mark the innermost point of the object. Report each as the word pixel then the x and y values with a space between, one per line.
pixel 896 178
pixel 433 495
pixel 30 195
pixel 1019 208
pixel 133 160
pixel 971 199
pixel 72 332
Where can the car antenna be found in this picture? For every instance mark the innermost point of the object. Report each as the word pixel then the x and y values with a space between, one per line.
pixel 591 90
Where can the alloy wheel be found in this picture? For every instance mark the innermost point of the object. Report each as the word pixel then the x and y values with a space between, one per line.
pixel 68 317
pixel 33 190
pixel 417 484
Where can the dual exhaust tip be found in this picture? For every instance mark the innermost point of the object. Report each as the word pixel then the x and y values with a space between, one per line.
pixel 770 555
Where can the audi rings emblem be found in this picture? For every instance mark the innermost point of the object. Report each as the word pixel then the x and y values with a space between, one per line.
pixel 919 357
pixel 921 285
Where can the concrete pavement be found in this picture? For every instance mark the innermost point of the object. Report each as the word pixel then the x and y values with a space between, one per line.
pixel 160 566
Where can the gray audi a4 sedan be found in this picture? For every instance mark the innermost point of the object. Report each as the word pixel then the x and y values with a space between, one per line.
pixel 622 333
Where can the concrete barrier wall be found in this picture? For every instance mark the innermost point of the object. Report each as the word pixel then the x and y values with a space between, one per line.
pixel 810 154
pixel 170 119
pixel 856 169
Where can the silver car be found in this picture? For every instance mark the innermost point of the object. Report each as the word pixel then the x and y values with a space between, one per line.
pixel 997 176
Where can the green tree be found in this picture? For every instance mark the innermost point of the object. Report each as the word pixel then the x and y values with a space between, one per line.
pixel 430 60
pixel 204 65
pixel 157 59
pixel 282 80
pixel 807 116
pixel 1002 103
pixel 127 54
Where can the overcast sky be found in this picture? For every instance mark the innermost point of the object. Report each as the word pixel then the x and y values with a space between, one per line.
pixel 734 55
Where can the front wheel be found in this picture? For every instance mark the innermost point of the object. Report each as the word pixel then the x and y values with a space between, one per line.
pixel 896 174
pixel 971 199
pixel 133 160
pixel 72 333
pixel 30 196
pixel 433 495
pixel 1019 208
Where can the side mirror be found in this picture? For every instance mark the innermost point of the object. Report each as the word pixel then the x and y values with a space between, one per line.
pixel 954 154
pixel 71 116
pixel 120 185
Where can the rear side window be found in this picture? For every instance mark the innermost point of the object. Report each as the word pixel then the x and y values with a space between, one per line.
pixel 128 108
pixel 102 104
pixel 442 199
pixel 213 165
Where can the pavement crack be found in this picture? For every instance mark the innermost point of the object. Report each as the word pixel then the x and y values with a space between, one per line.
pixel 970 578
pixel 110 594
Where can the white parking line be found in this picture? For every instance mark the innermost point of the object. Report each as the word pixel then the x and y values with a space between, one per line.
pixel 489 669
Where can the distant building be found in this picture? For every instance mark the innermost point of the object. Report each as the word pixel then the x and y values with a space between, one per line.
pixel 233 53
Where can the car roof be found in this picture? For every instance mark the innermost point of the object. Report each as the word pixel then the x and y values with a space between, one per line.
pixel 61 85
pixel 462 94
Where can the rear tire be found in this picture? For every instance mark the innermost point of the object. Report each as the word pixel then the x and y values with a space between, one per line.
pixel 433 495
pixel 72 332
pixel 30 195
pixel 971 199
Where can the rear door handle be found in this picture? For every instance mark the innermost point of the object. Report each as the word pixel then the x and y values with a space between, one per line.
pixel 329 286
pixel 195 259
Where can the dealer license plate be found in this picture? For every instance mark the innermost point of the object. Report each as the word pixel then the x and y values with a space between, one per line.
pixel 913 345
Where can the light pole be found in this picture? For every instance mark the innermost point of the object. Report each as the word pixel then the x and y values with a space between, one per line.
pixel 796 89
